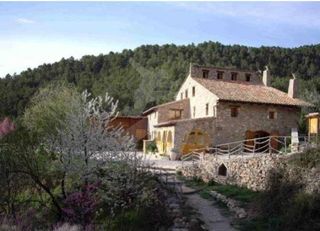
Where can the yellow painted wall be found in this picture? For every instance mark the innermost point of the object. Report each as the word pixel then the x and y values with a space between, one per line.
pixel 313 125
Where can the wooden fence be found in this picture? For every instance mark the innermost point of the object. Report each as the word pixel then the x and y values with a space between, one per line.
pixel 263 145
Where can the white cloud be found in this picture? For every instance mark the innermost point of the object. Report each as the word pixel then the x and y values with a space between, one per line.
pixel 24 21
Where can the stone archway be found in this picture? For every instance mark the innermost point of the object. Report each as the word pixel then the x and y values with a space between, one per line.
pixel 222 170
pixel 194 140
pixel 256 141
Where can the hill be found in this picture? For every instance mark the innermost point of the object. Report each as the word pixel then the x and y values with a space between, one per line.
pixel 151 74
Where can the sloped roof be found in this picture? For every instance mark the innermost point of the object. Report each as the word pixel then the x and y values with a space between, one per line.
pixel 177 102
pixel 248 92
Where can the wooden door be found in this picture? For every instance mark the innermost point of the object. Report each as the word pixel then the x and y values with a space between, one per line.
pixel 250 135
pixel 273 142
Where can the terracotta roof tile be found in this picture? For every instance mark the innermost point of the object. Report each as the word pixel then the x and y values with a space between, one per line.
pixel 248 92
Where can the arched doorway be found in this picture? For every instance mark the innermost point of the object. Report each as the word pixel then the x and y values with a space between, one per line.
pixel 274 142
pixel 262 143
pixel 159 142
pixel 169 142
pixel 164 142
pixel 196 139
pixel 257 141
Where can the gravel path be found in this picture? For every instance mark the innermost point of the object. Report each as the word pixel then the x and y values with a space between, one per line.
pixel 209 213
pixel 161 162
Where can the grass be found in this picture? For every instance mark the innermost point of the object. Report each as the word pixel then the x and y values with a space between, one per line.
pixel 232 191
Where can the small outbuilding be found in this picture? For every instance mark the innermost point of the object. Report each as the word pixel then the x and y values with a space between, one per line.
pixel 313 124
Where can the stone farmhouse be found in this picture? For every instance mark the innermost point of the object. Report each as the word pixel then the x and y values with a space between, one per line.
pixel 219 105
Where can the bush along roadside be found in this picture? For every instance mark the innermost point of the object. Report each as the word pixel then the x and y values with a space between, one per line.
pixel 285 205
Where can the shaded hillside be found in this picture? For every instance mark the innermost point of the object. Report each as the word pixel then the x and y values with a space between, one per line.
pixel 152 74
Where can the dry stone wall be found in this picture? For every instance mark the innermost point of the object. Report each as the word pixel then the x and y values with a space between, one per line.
pixel 252 172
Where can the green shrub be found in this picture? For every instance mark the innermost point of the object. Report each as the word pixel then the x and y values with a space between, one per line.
pixel 285 207
pixel 152 147
pixel 309 159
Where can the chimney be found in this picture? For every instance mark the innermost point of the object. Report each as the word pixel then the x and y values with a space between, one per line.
pixel 266 77
pixel 293 87
pixel 190 69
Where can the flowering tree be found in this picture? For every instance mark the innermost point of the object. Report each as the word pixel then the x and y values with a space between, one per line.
pixel 85 142
pixel 79 148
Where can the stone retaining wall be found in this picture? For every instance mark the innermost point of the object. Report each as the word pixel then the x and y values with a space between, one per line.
pixel 249 171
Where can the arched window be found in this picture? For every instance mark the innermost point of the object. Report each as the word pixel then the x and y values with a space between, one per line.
pixel 159 137
pixel 222 170
pixel 169 137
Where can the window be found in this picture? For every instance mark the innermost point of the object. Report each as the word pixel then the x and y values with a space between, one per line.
pixel 181 95
pixel 193 91
pixel 219 74
pixel 186 93
pixel 207 109
pixel 194 112
pixel 234 76
pixel 205 74
pixel 175 113
pixel 214 113
pixel 271 115
pixel 248 77
pixel 234 111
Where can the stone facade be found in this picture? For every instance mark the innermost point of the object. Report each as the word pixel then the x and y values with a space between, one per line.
pixel 223 128
pixel 202 109
pixel 253 117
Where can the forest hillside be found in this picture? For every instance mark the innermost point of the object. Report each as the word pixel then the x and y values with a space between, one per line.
pixel 151 74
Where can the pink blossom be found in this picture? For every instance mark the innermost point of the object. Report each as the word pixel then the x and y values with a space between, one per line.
pixel 6 126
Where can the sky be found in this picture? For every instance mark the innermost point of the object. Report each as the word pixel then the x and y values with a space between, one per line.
pixel 33 33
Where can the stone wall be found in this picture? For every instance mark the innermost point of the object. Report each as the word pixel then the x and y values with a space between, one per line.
pixel 252 172
pixel 253 117
pixel 182 128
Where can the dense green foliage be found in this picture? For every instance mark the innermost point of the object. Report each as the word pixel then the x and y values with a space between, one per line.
pixel 152 74
pixel 285 205
pixel 310 160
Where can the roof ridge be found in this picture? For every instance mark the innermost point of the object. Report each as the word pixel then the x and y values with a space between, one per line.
pixel 252 93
